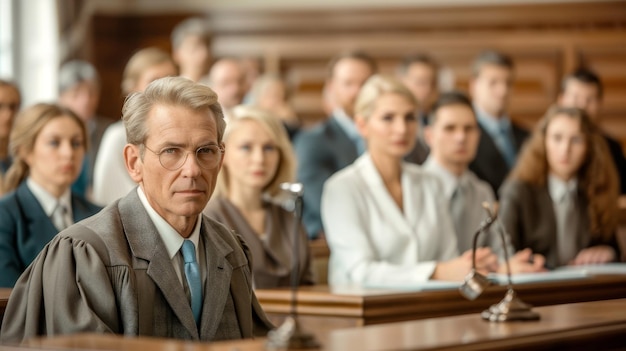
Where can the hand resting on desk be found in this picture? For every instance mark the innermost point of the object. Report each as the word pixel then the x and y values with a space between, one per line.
pixel 594 255
pixel 524 261
pixel 458 268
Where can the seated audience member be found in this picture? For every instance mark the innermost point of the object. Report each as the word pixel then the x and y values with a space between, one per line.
pixel 258 158
pixel 79 90
pixel 151 264
pixel 10 100
pixel 583 89
pixel 452 134
pixel 500 139
pixel 386 220
pixel 324 149
pixel 270 93
pixel 252 69
pixel 48 144
pixel 227 79
pixel 191 47
pixel 419 74
pixel 561 198
pixel 111 180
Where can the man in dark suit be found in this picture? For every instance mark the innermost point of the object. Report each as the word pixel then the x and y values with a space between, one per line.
pixel 419 73
pixel 335 143
pixel 500 140
pixel 150 263
pixel 583 89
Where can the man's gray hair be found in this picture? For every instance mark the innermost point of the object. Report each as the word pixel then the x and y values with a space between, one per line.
pixel 170 91
pixel 196 26
pixel 75 72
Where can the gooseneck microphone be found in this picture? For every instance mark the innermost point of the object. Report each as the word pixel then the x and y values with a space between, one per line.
pixel 510 308
pixel 289 334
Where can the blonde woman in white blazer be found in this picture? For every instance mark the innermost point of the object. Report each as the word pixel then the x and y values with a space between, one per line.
pixel 386 220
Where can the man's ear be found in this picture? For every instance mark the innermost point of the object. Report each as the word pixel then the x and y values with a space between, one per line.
pixel 361 125
pixel 470 86
pixel 134 163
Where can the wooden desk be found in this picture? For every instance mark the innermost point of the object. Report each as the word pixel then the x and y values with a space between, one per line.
pixel 322 311
pixel 4 299
pixel 599 325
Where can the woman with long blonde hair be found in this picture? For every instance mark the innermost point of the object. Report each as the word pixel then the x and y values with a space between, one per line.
pixel 257 160
pixel 561 198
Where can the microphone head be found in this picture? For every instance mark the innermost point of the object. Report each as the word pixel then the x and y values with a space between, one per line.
pixel 296 189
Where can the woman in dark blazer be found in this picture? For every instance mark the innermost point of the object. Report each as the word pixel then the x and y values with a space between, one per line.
pixel 258 158
pixel 561 198
pixel 47 144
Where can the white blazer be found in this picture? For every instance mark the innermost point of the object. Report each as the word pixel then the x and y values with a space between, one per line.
pixel 373 243
pixel 111 180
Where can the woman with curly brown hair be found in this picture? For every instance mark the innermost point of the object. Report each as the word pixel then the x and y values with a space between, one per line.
pixel 561 198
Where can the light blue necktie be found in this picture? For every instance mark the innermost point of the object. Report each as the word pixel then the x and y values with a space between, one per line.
pixel 192 273
pixel 507 146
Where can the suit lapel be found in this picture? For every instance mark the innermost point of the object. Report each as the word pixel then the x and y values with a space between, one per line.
pixel 344 147
pixel 39 224
pixel 394 216
pixel 145 243
pixel 217 285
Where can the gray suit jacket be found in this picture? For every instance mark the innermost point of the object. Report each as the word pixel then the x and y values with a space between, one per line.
pixel 273 256
pixel 321 151
pixel 111 273
pixel 527 213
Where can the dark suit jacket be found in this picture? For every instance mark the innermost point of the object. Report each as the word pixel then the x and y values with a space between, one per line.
pixel 620 162
pixel 320 151
pixel 25 229
pixel 489 164
pixel 111 273
pixel 527 213
pixel 273 256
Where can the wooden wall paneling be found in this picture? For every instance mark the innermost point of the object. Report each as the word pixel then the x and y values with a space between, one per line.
pixel 116 39
pixel 545 40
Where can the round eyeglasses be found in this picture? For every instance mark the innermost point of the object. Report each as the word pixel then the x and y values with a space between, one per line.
pixel 172 158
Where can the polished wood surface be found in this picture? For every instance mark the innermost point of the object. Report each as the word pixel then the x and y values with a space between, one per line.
pixel 321 310
pixel 598 325
pixel 4 299
pixel 120 343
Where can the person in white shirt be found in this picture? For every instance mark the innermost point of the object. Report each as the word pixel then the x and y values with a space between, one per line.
pixel 452 134
pixel 110 179
pixel 386 220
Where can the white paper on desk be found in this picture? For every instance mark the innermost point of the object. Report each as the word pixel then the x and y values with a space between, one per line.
pixel 522 278
pixel 423 286
pixel 596 269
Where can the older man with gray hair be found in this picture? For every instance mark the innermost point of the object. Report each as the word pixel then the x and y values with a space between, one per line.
pixel 150 263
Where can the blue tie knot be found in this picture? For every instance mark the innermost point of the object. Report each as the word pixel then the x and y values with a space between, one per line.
pixel 189 251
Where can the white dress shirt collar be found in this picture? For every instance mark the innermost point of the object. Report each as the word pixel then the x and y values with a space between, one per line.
pixel 347 124
pixel 559 188
pixel 449 181
pixel 47 201
pixel 171 238
pixel 492 124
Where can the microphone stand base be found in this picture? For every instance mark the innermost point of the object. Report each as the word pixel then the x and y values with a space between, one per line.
pixel 511 308
pixel 289 336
